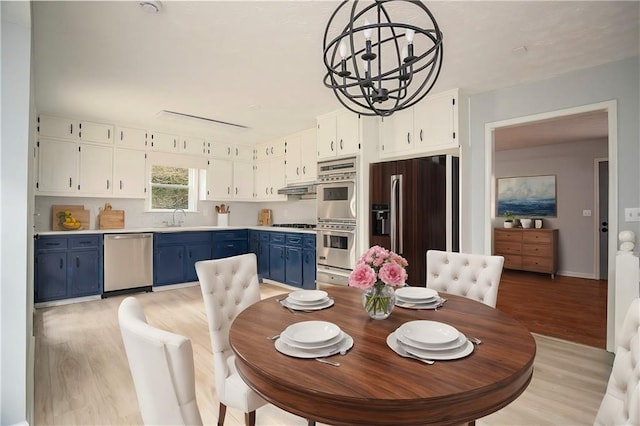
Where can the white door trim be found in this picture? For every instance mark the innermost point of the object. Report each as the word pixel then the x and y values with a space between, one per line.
pixel 489 184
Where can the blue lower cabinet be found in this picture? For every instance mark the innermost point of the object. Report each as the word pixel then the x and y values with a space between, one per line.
pixel 230 243
pixel 309 261
pixel 293 269
pixel 276 262
pixel 264 256
pixel 67 267
pixel 175 255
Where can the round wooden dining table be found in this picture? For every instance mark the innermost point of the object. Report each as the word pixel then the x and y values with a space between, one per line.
pixel 375 386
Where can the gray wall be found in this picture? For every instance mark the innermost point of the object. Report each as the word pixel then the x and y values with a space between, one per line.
pixel 616 80
pixel 573 166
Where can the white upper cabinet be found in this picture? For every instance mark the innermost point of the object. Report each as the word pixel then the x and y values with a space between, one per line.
pixel 219 180
pixel 338 134
pixel 429 127
pixel 243 180
pixel 95 170
pixel 57 166
pixel 218 149
pixel 131 138
pixel 243 153
pixel 269 177
pixel 57 127
pixel 129 173
pixel 272 148
pixel 193 146
pixel 95 132
pixel 164 142
pixel 301 157
pixel 436 122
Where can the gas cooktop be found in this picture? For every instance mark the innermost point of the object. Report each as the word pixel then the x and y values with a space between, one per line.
pixel 295 225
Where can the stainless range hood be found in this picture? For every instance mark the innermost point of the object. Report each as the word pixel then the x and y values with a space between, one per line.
pixel 303 190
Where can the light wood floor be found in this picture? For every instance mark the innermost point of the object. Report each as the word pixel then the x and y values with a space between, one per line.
pixel 82 376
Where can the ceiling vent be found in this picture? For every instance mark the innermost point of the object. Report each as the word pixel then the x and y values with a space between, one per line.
pixel 180 116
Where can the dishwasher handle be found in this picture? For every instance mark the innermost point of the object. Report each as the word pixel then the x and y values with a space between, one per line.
pixel 128 236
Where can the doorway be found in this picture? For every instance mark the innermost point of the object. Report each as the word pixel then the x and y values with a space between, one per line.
pixel 609 108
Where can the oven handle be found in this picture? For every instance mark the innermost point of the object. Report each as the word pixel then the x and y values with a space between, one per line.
pixel 334 231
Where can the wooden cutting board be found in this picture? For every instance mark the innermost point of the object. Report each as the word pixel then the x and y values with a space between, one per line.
pixel 77 211
pixel 111 219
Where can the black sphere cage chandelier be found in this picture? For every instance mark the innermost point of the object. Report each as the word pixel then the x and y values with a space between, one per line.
pixel 367 88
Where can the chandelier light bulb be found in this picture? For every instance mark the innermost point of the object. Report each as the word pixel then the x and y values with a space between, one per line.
pixel 343 49
pixel 409 35
pixel 367 31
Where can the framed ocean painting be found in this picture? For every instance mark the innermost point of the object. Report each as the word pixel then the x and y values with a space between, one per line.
pixel 527 196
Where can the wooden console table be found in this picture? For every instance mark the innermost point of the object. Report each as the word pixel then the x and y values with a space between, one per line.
pixel 527 249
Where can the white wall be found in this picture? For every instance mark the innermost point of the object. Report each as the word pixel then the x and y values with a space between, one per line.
pixel 573 166
pixel 15 299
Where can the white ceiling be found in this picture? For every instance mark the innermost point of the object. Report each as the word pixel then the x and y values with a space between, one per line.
pixel 259 63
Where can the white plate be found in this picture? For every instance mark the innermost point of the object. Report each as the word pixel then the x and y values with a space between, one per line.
pixel 457 353
pixel 307 296
pixel 461 340
pixel 312 346
pixel 310 332
pixel 413 305
pixel 343 345
pixel 297 307
pixel 416 294
pixel 402 350
pixel 428 332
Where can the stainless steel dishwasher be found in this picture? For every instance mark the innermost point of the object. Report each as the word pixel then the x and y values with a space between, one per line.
pixel 128 262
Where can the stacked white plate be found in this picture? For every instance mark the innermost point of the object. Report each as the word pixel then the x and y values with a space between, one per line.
pixel 429 340
pixel 307 300
pixel 313 339
pixel 417 298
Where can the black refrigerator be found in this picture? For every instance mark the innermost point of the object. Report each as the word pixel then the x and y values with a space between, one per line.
pixel 415 208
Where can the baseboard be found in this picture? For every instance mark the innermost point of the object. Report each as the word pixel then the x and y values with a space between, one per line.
pixel 577 275
pixel 66 301
pixel 174 286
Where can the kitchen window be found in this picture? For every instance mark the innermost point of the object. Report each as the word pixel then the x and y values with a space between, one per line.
pixel 173 188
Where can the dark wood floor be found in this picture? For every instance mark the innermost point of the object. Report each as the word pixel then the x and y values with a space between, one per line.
pixel 568 308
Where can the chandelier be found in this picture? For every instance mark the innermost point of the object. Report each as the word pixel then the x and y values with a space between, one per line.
pixel 376 66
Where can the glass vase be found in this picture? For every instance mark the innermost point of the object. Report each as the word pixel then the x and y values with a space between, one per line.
pixel 379 300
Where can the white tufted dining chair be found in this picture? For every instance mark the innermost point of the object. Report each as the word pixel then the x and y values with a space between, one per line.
pixel 471 275
pixel 229 286
pixel 621 402
pixel 161 365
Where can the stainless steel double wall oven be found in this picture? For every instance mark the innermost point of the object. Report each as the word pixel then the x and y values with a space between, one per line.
pixel 336 230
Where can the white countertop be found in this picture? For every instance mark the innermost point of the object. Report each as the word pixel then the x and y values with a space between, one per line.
pixel 178 229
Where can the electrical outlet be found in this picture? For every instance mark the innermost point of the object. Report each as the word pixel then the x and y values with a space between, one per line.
pixel 586 213
pixel 632 215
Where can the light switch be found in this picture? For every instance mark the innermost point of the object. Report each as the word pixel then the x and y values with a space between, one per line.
pixel 586 213
pixel 632 215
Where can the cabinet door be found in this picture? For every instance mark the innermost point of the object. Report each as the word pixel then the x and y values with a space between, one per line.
pixel 293 268
pixel 164 142
pixel 219 179
pixel 436 121
pixel 129 177
pixel 51 276
pixel 57 127
pixel 293 168
pixel 308 269
pixel 195 253
pixel 57 166
pixel 347 133
pixel 131 138
pixel 326 137
pixel 219 150
pixel 263 259
pixel 96 169
pixel 401 137
pixel 168 265
pixel 308 156
pixel 95 132
pixel 243 180
pixel 243 153
pixel 85 272
pixel 261 180
pixel 276 178
pixel 193 146
pixel 276 263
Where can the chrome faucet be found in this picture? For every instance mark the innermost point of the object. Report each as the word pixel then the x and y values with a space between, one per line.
pixel 173 220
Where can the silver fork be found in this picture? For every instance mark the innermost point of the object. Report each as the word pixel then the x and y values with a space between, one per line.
pixel 440 304
pixel 474 340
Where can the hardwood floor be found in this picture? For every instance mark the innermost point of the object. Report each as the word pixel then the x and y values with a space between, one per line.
pixel 82 376
pixel 568 308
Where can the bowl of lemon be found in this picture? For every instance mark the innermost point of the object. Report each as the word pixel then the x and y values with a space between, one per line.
pixel 67 221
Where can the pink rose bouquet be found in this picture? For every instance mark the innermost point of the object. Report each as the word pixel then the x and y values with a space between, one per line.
pixel 375 268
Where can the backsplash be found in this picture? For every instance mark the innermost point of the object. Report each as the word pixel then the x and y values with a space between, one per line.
pixel 242 213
